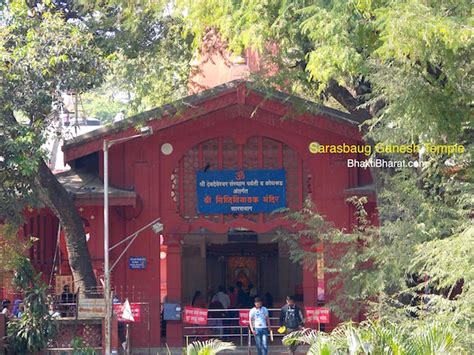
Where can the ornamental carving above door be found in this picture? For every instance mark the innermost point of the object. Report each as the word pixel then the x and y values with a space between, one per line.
pixel 223 153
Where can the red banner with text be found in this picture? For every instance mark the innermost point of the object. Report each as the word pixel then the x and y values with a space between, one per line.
pixel 194 315
pixel 244 317
pixel 316 315
pixel 135 312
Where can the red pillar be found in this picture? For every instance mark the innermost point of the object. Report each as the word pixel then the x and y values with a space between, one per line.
pixel 310 285
pixel 310 288
pixel 174 329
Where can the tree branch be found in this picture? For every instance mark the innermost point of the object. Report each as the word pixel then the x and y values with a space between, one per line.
pixel 348 101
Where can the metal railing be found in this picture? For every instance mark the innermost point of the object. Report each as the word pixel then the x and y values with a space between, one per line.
pixel 225 324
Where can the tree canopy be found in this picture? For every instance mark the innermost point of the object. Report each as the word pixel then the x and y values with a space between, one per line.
pixel 411 58
pixel 49 48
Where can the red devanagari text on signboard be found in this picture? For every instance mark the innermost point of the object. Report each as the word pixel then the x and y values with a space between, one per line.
pixel 244 317
pixel 194 315
pixel 135 308
pixel 315 315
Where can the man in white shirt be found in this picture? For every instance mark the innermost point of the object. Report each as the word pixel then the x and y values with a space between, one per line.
pixel 259 322
pixel 222 297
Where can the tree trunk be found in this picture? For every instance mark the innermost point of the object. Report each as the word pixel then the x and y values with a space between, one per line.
pixel 58 200
pixel 55 196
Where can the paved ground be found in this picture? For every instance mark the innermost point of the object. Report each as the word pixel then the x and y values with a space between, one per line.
pixel 273 350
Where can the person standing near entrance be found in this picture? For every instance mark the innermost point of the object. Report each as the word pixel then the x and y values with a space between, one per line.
pixel 291 319
pixel 198 300
pixel 243 299
pixel 252 291
pixel 222 297
pixel 259 323
pixel 232 297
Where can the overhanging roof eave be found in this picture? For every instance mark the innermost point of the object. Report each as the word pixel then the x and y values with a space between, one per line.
pixel 171 109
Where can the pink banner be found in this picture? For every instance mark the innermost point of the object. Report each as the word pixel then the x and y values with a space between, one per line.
pixel 244 317
pixel 135 308
pixel 316 315
pixel 194 315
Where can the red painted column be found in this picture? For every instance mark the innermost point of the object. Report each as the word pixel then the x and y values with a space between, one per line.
pixel 310 284
pixel 310 288
pixel 174 329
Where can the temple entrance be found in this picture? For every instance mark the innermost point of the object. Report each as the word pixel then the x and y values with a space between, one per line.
pixel 213 260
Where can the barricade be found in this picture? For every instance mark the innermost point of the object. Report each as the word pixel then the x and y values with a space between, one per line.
pixel 225 324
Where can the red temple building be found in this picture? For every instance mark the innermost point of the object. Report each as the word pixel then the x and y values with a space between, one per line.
pixel 216 231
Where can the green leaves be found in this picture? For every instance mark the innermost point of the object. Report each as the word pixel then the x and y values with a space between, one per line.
pixel 379 338
pixel 45 56
pixel 155 73
pixel 10 247
pixel 35 328
pixel 19 151
pixel 208 347
pixel 415 265
pixel 42 56
pixel 413 57
pixel 80 348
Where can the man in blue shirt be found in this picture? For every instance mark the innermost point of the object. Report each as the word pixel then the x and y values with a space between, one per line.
pixel 259 326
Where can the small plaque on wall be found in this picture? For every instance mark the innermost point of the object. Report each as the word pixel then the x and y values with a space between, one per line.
pixel 137 262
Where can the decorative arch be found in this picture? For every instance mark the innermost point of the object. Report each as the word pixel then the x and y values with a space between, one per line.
pixel 227 152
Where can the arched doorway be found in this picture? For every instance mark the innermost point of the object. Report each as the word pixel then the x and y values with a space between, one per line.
pixel 213 259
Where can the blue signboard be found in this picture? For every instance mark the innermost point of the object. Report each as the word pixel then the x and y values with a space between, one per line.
pixel 241 191
pixel 137 262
